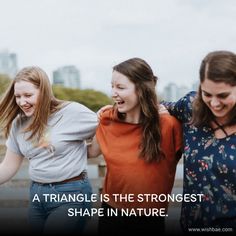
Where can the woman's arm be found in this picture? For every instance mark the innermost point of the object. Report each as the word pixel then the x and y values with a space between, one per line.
pixel 9 166
pixel 94 148
pixel 182 109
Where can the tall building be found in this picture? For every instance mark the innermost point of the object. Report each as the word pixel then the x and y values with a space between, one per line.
pixel 182 91
pixel 8 63
pixel 172 92
pixel 68 76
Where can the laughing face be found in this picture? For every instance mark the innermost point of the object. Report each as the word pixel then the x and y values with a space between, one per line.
pixel 125 96
pixel 219 97
pixel 26 95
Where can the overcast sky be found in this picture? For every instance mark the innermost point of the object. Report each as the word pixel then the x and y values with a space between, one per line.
pixel 173 36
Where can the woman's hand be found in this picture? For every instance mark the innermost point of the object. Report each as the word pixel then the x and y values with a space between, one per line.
pixel 163 110
pixel 102 109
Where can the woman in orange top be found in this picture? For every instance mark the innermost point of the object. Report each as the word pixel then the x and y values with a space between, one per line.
pixel 141 148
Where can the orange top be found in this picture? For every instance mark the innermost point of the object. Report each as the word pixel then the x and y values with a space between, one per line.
pixel 126 172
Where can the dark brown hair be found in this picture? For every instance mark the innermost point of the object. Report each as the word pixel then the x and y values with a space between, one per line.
pixel 141 74
pixel 217 66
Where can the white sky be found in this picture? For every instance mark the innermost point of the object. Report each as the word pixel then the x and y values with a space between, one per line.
pixel 173 36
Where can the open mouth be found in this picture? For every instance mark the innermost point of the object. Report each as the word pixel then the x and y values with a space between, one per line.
pixel 120 102
pixel 26 109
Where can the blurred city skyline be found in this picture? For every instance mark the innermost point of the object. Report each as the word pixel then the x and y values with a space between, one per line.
pixel 173 36
pixel 69 76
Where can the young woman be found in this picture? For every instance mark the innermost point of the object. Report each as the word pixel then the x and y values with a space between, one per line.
pixel 141 149
pixel 209 126
pixel 50 133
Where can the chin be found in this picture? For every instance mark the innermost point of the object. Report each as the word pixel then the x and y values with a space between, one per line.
pixel 28 114
pixel 223 116
pixel 121 111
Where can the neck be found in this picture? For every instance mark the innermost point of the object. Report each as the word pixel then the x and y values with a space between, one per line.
pixel 221 121
pixel 132 118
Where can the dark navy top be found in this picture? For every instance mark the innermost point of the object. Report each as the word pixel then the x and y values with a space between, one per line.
pixel 209 169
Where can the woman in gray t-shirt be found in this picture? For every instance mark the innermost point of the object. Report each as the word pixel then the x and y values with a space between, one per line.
pixel 50 133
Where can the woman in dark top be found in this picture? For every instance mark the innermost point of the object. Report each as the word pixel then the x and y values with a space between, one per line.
pixel 209 127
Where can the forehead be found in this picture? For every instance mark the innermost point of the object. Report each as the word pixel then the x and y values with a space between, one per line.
pixel 213 87
pixel 117 77
pixel 24 86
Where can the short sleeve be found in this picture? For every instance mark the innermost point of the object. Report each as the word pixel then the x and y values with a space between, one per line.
pixel 82 122
pixel 182 109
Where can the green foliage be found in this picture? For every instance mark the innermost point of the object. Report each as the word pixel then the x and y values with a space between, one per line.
pixel 4 82
pixel 91 98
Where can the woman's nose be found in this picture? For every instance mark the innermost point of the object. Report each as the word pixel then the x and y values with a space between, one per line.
pixel 214 102
pixel 22 101
pixel 114 93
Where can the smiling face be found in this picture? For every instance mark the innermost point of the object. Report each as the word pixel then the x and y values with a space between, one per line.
pixel 26 95
pixel 219 97
pixel 125 96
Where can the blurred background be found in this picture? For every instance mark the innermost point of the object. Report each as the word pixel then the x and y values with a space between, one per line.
pixel 85 39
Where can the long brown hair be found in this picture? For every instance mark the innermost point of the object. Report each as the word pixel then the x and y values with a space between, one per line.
pixel 46 104
pixel 141 74
pixel 217 66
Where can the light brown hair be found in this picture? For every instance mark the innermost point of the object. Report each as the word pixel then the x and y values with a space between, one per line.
pixel 46 104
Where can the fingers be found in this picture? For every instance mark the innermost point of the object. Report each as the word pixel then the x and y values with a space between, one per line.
pixel 101 110
pixel 162 109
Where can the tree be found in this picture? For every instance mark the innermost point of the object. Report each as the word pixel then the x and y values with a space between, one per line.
pixel 91 98
pixel 4 82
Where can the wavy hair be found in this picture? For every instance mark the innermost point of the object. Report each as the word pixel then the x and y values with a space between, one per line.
pixel 141 74
pixel 217 66
pixel 45 106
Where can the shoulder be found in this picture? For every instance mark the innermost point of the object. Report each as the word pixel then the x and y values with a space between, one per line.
pixel 171 129
pixel 189 97
pixel 167 118
pixel 169 122
pixel 74 111
pixel 108 115
pixel 74 107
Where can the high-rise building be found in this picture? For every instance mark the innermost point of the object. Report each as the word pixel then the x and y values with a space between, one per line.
pixel 170 92
pixel 68 76
pixel 8 63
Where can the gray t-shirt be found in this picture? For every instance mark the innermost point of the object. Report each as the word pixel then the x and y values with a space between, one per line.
pixel 61 153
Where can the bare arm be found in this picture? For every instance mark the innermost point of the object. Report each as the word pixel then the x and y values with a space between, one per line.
pixel 9 166
pixel 94 148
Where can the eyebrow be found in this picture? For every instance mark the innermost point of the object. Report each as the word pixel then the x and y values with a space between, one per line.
pixel 28 93
pixel 223 93
pixel 118 84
